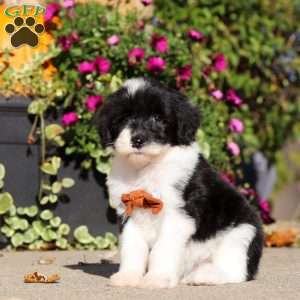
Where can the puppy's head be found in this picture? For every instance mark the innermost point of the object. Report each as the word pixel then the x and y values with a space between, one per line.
pixel 143 119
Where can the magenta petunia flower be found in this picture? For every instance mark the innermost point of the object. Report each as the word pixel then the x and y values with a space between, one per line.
pixel 52 9
pixel 68 3
pixel 86 67
pixel 103 65
pixel 185 72
pixel 159 43
pixel 236 125
pixel 135 56
pixel 217 94
pixel 113 40
pixel 92 102
pixel 156 64
pixel 195 35
pixel 146 2
pixel 66 42
pixel 220 63
pixel 233 148
pixel 69 118
pixel 233 98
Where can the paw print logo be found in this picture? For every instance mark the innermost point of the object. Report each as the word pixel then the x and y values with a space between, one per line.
pixel 24 32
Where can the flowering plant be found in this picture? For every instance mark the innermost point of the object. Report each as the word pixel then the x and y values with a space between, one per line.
pixel 234 79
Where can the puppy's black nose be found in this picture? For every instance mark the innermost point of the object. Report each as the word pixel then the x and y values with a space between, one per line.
pixel 137 141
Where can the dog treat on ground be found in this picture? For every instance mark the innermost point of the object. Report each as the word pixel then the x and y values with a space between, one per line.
pixel 41 278
pixel 141 199
pixel 281 238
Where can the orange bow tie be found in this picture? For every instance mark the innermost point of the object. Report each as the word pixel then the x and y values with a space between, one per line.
pixel 141 199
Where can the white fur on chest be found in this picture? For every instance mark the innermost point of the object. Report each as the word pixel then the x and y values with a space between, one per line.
pixel 160 179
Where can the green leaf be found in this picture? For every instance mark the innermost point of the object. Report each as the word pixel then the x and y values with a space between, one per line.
pixel 49 169
pixel 17 240
pixel 62 243
pixel 46 215
pixel 31 211
pixel 18 223
pixel 48 235
pixel 68 182
pixel 82 235
pixel 55 222
pixel 64 229
pixel 38 226
pixel 20 211
pixel 2 171
pixel 56 187
pixel 12 211
pixel 53 130
pixel 111 238
pixel 51 166
pixel 6 201
pixel 44 200
pixel 53 198
pixel 56 161
pixel 1 184
pixel 7 231
pixel 30 236
pixel 101 243
pixel 37 107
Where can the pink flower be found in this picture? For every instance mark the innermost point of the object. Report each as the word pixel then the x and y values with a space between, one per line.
pixel 146 2
pixel 135 56
pixel 195 35
pixel 103 65
pixel 156 64
pixel 92 102
pixel 233 148
pixel 68 3
pixel 217 94
pixel 113 40
pixel 69 118
pixel 236 125
pixel 233 98
pixel 52 9
pixel 185 72
pixel 264 205
pixel 159 43
pixel 66 42
pixel 86 67
pixel 220 63
pixel 229 178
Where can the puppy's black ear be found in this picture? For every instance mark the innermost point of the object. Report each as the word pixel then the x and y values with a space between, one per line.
pixel 108 118
pixel 187 120
pixel 102 123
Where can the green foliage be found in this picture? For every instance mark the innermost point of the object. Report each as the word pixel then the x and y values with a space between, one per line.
pixel 86 241
pixel 30 228
pixel 263 62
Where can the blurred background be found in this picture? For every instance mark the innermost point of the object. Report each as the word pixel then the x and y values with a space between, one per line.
pixel 238 61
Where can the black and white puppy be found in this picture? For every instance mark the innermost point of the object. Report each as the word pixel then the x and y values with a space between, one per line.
pixel 206 232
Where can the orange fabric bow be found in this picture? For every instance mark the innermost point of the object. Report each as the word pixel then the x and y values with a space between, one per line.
pixel 141 199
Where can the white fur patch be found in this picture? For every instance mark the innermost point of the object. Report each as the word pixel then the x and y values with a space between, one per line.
pixel 135 84
pixel 221 259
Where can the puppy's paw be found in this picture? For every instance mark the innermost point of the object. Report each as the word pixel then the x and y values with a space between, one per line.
pixel 125 279
pixel 156 281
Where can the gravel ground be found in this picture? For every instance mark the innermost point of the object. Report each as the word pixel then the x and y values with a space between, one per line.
pixel 84 276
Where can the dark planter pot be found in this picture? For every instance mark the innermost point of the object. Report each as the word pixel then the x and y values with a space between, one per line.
pixel 86 203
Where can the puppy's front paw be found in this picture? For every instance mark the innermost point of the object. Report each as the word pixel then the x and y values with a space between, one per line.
pixel 155 281
pixel 125 279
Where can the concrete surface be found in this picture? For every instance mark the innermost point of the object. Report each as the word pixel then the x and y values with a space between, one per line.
pixel 83 277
